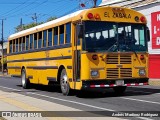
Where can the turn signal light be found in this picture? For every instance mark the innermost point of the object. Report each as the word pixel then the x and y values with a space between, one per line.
pixel 90 16
pixel 97 16
pixel 143 19
pixel 94 57
pixel 142 57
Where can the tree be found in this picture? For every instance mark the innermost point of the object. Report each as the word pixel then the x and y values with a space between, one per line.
pixel 30 25
pixel 51 18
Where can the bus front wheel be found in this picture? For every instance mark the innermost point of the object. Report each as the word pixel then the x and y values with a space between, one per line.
pixel 119 89
pixel 24 81
pixel 65 88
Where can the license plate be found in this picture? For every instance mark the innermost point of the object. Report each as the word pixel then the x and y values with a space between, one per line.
pixel 120 82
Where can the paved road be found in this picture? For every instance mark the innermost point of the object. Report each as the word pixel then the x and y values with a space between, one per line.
pixel 144 98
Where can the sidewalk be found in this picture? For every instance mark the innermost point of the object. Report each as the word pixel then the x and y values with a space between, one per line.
pixel 13 102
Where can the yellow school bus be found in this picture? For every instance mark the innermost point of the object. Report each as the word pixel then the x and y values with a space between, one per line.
pixel 103 47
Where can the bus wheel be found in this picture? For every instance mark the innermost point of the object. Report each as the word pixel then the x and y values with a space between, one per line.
pixel 119 90
pixel 24 80
pixel 64 82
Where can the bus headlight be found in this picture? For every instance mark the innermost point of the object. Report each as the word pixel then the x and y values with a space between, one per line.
pixel 94 73
pixel 142 72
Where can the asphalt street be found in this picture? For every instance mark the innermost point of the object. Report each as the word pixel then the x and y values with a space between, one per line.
pixel 140 98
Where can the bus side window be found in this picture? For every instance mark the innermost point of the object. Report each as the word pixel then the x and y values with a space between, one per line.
pixel 39 39
pixel 50 37
pixel 31 41
pixel 16 45
pixel 10 46
pixel 27 42
pixel 35 40
pixel 68 33
pixel 20 44
pixel 23 44
pixel 61 34
pixel 44 38
pixel 56 36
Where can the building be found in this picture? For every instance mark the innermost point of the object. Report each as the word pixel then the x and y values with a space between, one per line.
pixel 5 54
pixel 151 9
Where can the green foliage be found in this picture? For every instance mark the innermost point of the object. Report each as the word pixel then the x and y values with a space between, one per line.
pixel 30 25
pixel 4 60
pixel 51 18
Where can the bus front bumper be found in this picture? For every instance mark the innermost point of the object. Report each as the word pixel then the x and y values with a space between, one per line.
pixel 114 83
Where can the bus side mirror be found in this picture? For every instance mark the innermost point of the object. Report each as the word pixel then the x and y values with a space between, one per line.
pixel 148 34
pixel 80 31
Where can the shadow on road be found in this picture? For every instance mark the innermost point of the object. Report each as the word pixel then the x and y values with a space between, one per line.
pixel 96 93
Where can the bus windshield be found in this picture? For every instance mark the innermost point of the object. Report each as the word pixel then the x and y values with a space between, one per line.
pixel 113 37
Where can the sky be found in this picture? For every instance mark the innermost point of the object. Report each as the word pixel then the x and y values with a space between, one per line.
pixel 13 10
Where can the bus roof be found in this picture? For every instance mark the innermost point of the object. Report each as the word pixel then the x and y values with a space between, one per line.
pixel 46 24
pixel 106 13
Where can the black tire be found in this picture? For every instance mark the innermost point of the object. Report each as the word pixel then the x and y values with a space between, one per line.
pixel 119 90
pixel 65 88
pixel 24 81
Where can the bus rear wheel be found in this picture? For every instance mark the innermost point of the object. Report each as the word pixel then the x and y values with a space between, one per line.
pixel 24 81
pixel 65 88
pixel 119 89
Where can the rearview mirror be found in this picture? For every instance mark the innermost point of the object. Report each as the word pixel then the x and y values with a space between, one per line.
pixel 148 34
pixel 80 31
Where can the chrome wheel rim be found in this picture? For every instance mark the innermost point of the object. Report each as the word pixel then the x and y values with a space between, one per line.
pixel 23 78
pixel 64 84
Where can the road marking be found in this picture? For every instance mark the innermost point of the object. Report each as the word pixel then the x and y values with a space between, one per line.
pixel 83 104
pixel 27 107
pixel 140 100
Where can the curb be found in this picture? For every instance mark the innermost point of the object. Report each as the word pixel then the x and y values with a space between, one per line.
pixel 154 82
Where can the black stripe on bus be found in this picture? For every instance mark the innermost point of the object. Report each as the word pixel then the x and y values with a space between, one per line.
pixel 15 75
pixel 42 67
pixel 69 67
pixel 41 59
pixel 13 67
pixel 52 79
pixel 70 79
pixel 30 77
pixel 41 49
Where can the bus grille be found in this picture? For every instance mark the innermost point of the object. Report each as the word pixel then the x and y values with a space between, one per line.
pixel 112 59
pixel 115 61
pixel 125 59
pixel 119 59
pixel 125 72
pixel 119 73
pixel 112 73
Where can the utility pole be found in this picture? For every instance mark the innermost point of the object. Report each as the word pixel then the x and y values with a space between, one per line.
pixel 95 3
pixel 35 17
pixel 2 60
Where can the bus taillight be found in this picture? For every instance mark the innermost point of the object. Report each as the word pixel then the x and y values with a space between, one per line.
pixel 142 57
pixel 97 16
pixel 143 19
pixel 94 57
pixel 90 16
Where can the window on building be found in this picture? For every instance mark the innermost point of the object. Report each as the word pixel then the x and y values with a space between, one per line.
pixel 23 43
pixel 68 32
pixel 61 36
pixel 44 38
pixel 31 41
pixel 50 37
pixel 56 36
pixel 35 40
pixel 39 39
pixel 27 42
pixel 10 46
